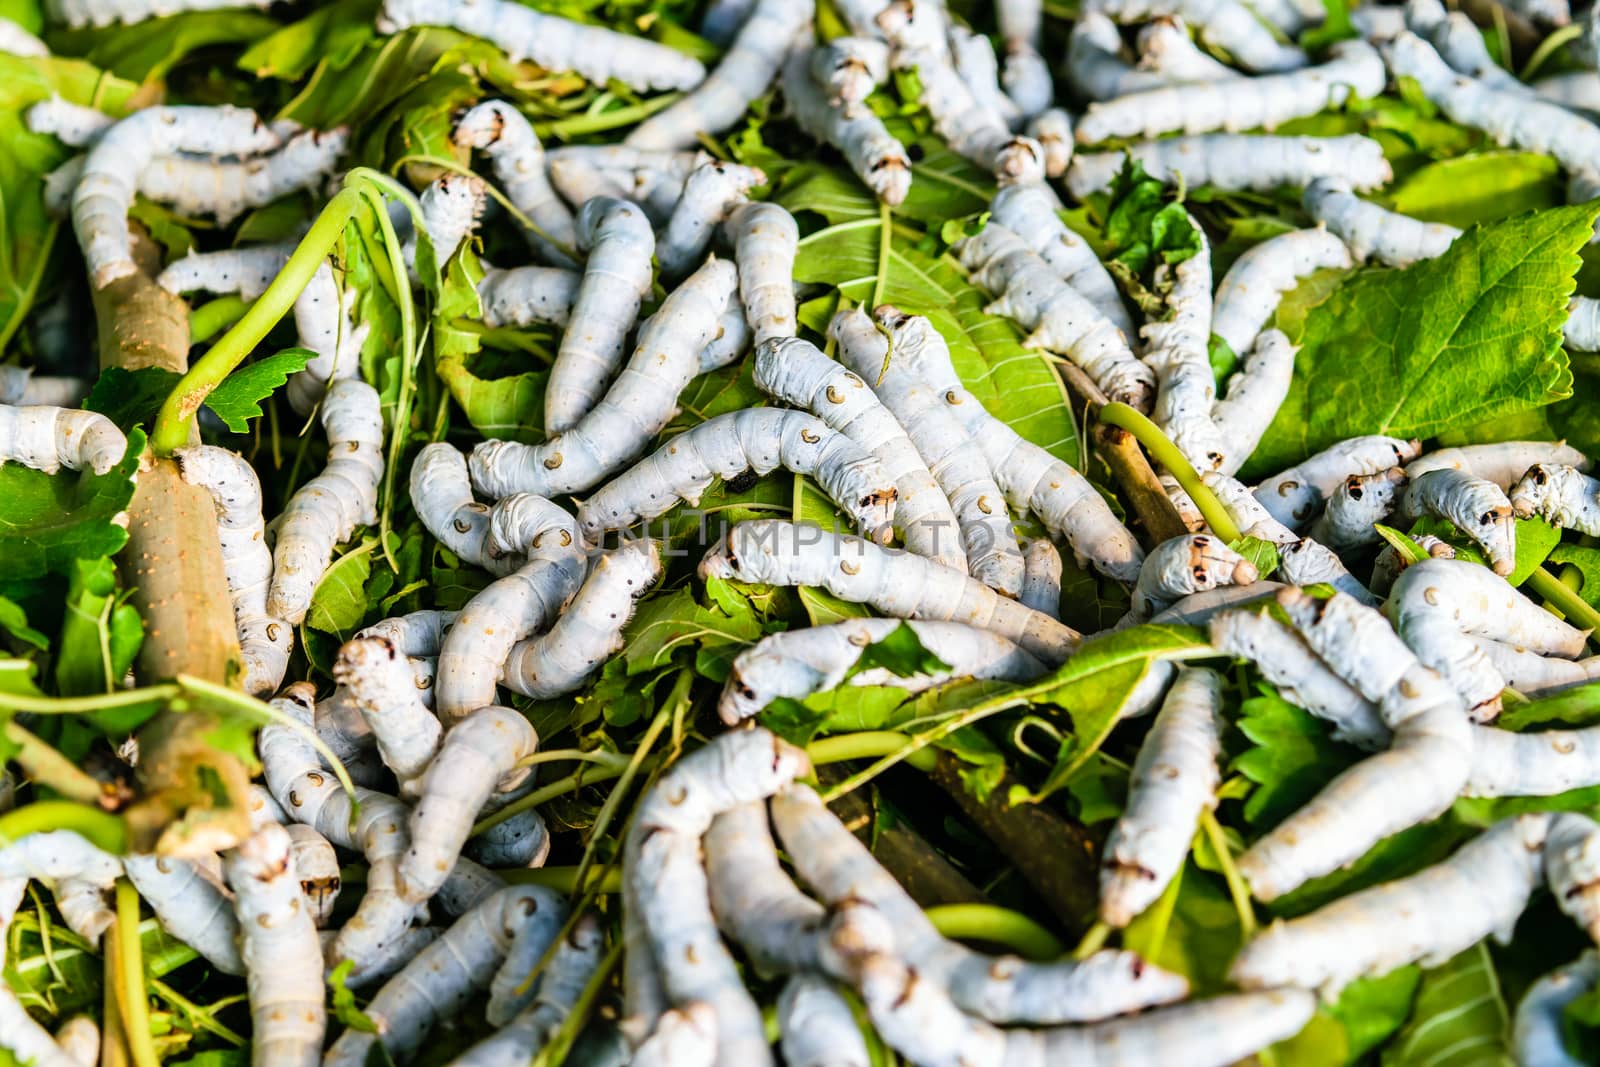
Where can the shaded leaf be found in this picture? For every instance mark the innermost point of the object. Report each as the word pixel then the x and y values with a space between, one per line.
pixel 99 637
pixel 1459 1019
pixel 340 601
pixel 52 519
pixel 1290 759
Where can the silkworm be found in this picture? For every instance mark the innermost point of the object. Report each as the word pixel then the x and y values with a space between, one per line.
pixel 1538 1031
pixel 1251 290
pixel 1029 210
pixel 1294 495
pixel 878 159
pixel 1224 24
pixel 380 681
pixel 1372 232
pixel 503 133
pixel 1561 494
pixel 710 195
pixel 1185 565
pixel 1477 507
pixel 48 438
pixel 1239 162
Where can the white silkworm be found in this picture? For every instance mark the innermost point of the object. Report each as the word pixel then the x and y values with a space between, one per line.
pixel 419 634
pixel 225 190
pixel 1094 61
pixel 1426 918
pixel 380 680
pixel 441 980
pixel 1354 509
pixel 1459 43
pixel 264 640
pixel 516 985
pixel 189 906
pixel 1504 463
pixel 101 200
pixel 1253 397
pixel 1539 763
pixel 523 296
pixel 451 208
pixel 1224 24
pixel 1437 603
pixel 1041 577
pixel 555 43
pixel 330 507
pixel 737 767
pixel 1572 868
pixel 1251 290
pixel 760 440
pixel 1029 210
pixel 386 964
pixel 637 407
pixel 1374 233
pixel 328 324
pixel 797 663
pixel 1176 350
pixel 747 68
pixel 1239 162
pixel 316 866
pixel 560 988
pixel 1000 989
pixel 1577 90
pixel 1174 781
pixel 850 68
pixel 683 1037
pixel 817 1027
pixel 520 840
pixel 49 438
pixel 710 194
pixel 441 493
pixel 503 133
pixel 79 873
pixel 766 241
pixel 1414 780
pixel 1186 565
pixel 1561 494
pixel 1294 495
pixel 898 584
pixel 79 1038
pixel 952 457
pixel 1477 507
pixel 589 630
pixel 279 946
pixel 16 41
pixel 20 387
pixel 479 756
pixel 79 13
pixel 796 372
pixel 71 124
pixel 1238 104
pixel 651 179
pixel 1550 13
pixel 974 59
pixel 1538 1032
pixel 1299 676
pixel 1509 118
pixel 878 159
pixel 1532 674
pixel 245 271
pixel 1165 50
pixel 1052 128
pixel 722 20
pixel 1032 479
pixel 1060 320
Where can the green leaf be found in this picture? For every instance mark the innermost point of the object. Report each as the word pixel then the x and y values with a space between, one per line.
pixel 1449 342
pixel 14 621
pixel 901 653
pixel 130 397
pixel 340 601
pixel 343 1001
pixel 1260 552
pixel 1587 561
pixel 1480 187
pixel 665 624
pixel 99 636
pixel 1372 1009
pixel 51 520
pixel 1197 938
pixel 1578 706
pixel 1290 759
pixel 1460 1018
pixel 237 399
pixel 1535 541
pixel 148 50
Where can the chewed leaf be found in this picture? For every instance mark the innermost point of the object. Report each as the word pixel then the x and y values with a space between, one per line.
pixel 900 653
pixel 52 519
pixel 1460 1017
pixel 1291 756
pixel 238 398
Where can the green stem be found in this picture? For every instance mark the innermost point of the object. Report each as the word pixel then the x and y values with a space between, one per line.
pixel 1092 942
pixel 136 1008
pixel 94 702
pixel 885 245
pixel 45 766
pixel 1237 889
pixel 546 793
pixel 173 424
pixel 566 880
pixel 1549 47
pixel 562 129
pixel 1576 610
pixel 1164 452
pixel 102 829
pixel 868 744
pixel 208 320
pixel 998 926
pixel 575 755
pixel 264 713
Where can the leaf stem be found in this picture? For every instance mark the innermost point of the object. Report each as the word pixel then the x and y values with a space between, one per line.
pixel 1164 452
pixel 102 829
pixel 1237 889
pixel 868 744
pixel 1570 604
pixel 93 702
pixel 996 925
pixel 885 246
pixel 45 766
pixel 130 959
pixel 1092 941
pixel 562 129
pixel 210 319
pixel 566 879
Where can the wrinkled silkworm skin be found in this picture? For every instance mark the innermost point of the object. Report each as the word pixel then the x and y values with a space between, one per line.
pixel 79 874
pixel 738 767
pixel 441 493
pixel 1052 129
pixel 49 438
pixel 523 840
pixel 1186 565
pixel 850 68
pixel 326 319
pixel 1029 210
pixel 1030 293
pixel 451 208
pixel 1294 496
pixel 757 904
pixel 225 190
pixel 731 340
pixel 515 985
pixel 797 663
pixel 1427 918
pixel 619 242
pixel 1572 868
pixel 589 630
pixel 388 963
pixel 1220 159
pixel 317 867
pixel 1560 494
pixel 796 372
pixel 16 41
pixel 1041 577
pixel 653 180
pixel 1576 90
pixel 878 159
pixel 1532 674
pixel 281 953
pixel 560 988
pixel 1538 763
pixel 20 1035
pixel 765 241
pixel 79 13
pixel 1165 50
pixel 522 296
pixel 1438 605
pixel 479 756
pixel 380 679
pixel 1414 780
pixel 1251 290
pixel 101 200
pixel 1538 1032
pixel 1253 397
pixel 1238 104
pixel 1174 781
pixel 1299 676
pixel 1001 989
pixel 189 906
pixel 683 1037
pixel 442 980
pixel 419 634
pixel 974 59
pixel 1031 478
pixel 502 133
pixel 1503 463
pixel 79 1038
pixel 760 440
pixel 748 66
pixel 710 195
pixel 1176 348
pixel 1459 43
pixel 593 52
pixel 71 124
pixel 1094 62
pixel 1374 233
pixel 264 641
pixel 1224 24
pixel 1356 507
pixel 1301 560
pixel 1476 506
pixel 327 510
pixel 957 464
pixel 817 1027
pixel 637 407
pixel 245 271
pixel 899 585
